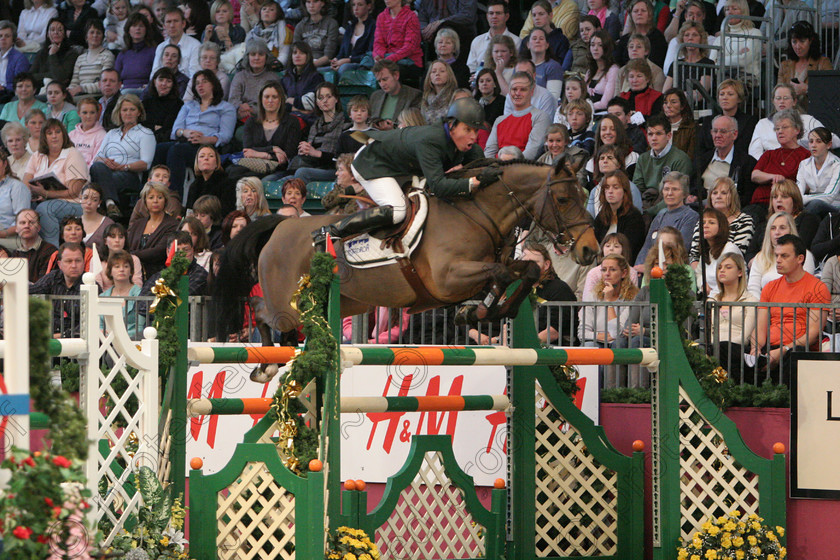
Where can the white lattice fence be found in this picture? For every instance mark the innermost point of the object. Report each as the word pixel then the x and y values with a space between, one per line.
pixel 711 480
pixel 575 496
pixel 128 425
pixel 430 520
pixel 256 518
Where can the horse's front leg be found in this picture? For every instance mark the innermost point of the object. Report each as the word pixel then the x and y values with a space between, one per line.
pixel 529 273
pixel 469 277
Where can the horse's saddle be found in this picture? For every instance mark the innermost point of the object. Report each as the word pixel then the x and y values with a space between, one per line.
pixel 384 246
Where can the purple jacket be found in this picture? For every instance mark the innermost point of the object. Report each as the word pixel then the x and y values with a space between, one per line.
pixel 17 63
pixel 135 64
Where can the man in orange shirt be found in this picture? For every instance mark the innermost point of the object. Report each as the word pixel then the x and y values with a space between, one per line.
pixel 790 328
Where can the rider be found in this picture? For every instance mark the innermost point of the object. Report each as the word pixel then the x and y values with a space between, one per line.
pixel 427 151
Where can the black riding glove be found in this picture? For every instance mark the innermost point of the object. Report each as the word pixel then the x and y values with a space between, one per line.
pixel 488 176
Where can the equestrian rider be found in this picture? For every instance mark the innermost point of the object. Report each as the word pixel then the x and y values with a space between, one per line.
pixel 426 151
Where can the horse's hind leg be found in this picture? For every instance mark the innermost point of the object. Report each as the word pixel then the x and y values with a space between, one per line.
pixel 263 373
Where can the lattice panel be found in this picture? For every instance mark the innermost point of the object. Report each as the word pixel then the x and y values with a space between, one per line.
pixel 256 518
pixel 124 417
pixel 164 464
pixel 576 496
pixel 711 480
pixel 431 519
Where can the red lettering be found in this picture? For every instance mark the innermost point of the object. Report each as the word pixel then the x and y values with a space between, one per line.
pixel 393 418
pixel 433 426
pixel 581 383
pixel 496 419
pixel 216 391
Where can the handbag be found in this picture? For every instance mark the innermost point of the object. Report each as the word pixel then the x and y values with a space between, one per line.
pixel 259 165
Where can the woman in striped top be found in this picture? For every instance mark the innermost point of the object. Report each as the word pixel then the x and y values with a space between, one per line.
pixel 724 197
pixel 92 61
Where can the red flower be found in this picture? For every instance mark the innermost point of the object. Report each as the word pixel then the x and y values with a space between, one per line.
pixel 56 511
pixel 61 461
pixel 85 505
pixel 22 533
pixel 28 461
pixel 49 502
pixel 42 539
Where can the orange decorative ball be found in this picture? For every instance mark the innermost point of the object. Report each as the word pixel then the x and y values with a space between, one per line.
pixel 196 463
pixel 36 454
pixel 360 485
pixel 349 484
pixel 778 447
pixel 315 465
pixel 499 483
pixel 638 445
pixel 656 272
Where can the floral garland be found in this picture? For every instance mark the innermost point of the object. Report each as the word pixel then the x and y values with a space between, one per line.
pixel 68 427
pixel 298 443
pixel 164 307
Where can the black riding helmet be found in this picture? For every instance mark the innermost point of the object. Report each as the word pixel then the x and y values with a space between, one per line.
pixel 468 111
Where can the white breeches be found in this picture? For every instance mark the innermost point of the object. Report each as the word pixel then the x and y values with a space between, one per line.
pixel 384 191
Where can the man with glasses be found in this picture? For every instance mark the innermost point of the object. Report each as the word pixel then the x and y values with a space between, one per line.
pixel 723 161
pixel 498 14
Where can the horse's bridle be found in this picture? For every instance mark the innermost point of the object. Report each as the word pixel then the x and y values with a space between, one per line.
pixel 562 227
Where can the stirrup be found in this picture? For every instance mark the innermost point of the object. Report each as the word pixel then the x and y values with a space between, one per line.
pixel 319 239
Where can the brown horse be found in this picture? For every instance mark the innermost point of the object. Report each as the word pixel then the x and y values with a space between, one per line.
pixel 459 255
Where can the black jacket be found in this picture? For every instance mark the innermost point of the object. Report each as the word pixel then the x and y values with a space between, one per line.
pixel 161 111
pixel 76 27
pixel 66 313
pixel 364 44
pixel 827 239
pixel 631 224
pixel 287 136
pixel 219 185
pixel 740 171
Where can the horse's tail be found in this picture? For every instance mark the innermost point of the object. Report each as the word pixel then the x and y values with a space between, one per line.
pixel 238 273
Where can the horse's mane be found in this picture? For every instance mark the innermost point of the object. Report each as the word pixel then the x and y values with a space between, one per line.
pixel 470 169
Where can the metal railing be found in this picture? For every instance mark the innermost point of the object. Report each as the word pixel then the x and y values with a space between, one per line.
pixel 699 81
pixel 759 78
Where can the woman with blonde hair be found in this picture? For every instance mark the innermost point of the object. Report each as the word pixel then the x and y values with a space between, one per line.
pixel 438 88
pixel 447 49
pixel 211 178
pixel 724 197
pixel 785 197
pixel 763 266
pixel 125 154
pixel 146 237
pixel 733 324
pixel 250 197
pixel 410 116
pixel 599 326
pixel 739 51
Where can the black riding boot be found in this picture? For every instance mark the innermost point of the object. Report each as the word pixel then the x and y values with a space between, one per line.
pixel 360 222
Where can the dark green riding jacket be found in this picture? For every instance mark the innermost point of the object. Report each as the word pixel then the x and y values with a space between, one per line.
pixel 426 151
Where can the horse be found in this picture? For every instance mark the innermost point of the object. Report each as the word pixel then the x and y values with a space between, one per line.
pixel 461 252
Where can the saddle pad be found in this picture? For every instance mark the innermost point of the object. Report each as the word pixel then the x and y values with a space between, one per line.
pixel 365 251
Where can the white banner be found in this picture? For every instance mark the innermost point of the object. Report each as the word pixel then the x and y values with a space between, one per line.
pixel 375 445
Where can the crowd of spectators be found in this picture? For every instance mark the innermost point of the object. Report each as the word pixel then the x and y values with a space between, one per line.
pixel 132 125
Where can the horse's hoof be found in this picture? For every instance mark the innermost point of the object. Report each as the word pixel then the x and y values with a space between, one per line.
pixel 465 316
pixel 264 374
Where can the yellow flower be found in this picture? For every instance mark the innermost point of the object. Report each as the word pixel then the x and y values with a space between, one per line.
pixel 349 556
pixel 730 526
pixel 741 526
pixel 713 531
pixel 707 525
pixel 771 557
pixel 696 543
pixel 780 530
pixel 695 557
pixel 739 555
pixel 164 541
pixel 721 520
pixel 364 557
pixel 735 513
pixel 711 555
pixel 782 552
pixel 752 540
pixel 738 541
pixel 753 516
pixel 771 536
pixel 756 526
pixel 682 554
pixel 725 542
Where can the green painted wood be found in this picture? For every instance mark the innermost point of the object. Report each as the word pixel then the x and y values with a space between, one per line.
pixel 178 427
pixel 329 395
pixel 491 519
pixel 675 372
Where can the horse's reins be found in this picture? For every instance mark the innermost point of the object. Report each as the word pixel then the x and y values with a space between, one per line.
pixel 562 228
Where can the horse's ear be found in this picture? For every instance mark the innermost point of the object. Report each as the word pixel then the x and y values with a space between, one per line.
pixel 561 163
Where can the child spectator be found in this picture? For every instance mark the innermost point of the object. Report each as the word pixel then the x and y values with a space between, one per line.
pixel 579 115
